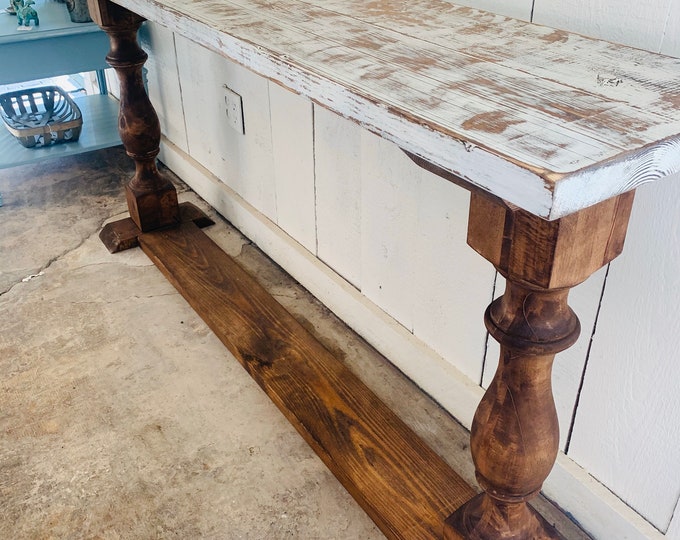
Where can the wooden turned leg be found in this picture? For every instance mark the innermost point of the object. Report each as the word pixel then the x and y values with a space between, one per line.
pixel 515 433
pixel 151 197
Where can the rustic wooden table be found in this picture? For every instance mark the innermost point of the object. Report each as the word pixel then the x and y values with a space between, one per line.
pixel 551 132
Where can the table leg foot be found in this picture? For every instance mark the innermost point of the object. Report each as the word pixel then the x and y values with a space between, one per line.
pixel 124 233
pixel 482 518
pixel 153 207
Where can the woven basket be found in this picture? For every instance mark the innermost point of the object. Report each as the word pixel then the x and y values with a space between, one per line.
pixel 41 116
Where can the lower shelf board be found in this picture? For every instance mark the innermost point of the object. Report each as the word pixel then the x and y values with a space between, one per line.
pixel 100 130
pixel 404 486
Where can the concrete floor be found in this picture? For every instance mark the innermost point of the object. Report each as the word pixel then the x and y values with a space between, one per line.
pixel 122 416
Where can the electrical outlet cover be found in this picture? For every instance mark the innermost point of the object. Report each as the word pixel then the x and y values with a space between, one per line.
pixel 234 110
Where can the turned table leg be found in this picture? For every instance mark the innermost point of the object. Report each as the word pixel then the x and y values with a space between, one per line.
pixel 515 433
pixel 151 197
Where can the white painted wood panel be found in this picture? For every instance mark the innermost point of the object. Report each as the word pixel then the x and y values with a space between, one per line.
pixel 412 225
pixel 452 283
pixel 338 193
pixel 671 31
pixel 627 432
pixel 292 125
pixel 638 24
pixel 163 83
pixel 389 217
pixel 245 163
pixel 674 528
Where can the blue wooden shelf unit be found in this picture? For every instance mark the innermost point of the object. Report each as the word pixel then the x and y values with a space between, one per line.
pixel 56 47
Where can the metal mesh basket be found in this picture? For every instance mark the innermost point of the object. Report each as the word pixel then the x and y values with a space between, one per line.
pixel 41 116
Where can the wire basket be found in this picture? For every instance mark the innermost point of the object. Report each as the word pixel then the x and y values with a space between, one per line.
pixel 41 116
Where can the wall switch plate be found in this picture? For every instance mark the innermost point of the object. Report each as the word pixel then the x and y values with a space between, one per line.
pixel 234 110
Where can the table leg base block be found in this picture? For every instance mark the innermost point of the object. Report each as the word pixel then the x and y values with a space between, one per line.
pixel 481 519
pixel 152 210
pixel 124 234
pixel 120 235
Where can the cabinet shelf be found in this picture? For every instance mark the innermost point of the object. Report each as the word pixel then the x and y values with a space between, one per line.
pixel 100 130
pixel 56 47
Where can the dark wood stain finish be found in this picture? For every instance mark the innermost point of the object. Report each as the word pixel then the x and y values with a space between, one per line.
pixel 151 198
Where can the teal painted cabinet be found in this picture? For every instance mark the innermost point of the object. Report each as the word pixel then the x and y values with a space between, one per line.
pixel 56 47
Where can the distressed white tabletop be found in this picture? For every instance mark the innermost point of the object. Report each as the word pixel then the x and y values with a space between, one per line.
pixel 548 120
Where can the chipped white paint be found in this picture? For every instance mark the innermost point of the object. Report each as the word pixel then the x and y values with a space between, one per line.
pixel 519 110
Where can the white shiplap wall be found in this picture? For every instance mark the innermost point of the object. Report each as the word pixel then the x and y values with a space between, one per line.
pixel 383 244
pixel 639 23
pixel 626 431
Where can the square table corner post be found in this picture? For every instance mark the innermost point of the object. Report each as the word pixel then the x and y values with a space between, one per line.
pixel 151 197
pixel 515 432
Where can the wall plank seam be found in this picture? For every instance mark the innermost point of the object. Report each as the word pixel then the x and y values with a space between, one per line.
pixel 179 82
pixel 582 381
pixel 666 23
pixel 674 515
pixel 488 336
pixel 277 218
pixel 314 179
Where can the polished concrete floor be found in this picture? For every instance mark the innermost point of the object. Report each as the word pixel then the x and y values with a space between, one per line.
pixel 123 417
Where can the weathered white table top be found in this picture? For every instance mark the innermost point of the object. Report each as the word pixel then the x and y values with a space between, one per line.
pixel 548 120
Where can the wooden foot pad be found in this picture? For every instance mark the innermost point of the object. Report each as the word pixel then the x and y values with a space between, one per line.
pixel 123 234
pixel 405 487
pixel 481 519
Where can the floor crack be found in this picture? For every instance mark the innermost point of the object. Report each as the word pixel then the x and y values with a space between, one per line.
pixel 126 299
pixel 40 271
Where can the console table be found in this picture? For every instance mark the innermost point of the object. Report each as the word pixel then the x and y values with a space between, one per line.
pixel 57 47
pixel 550 131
